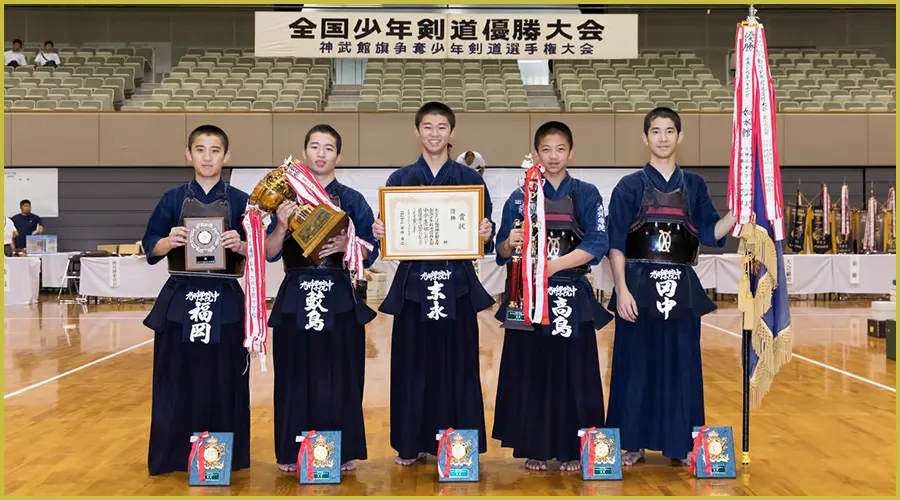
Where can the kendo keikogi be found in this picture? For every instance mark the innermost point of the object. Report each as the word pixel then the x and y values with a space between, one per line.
pixel 200 367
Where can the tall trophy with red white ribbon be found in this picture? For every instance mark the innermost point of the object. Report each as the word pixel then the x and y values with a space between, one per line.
pixel 316 220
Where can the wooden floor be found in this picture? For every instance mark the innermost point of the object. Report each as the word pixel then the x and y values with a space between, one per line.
pixel 826 428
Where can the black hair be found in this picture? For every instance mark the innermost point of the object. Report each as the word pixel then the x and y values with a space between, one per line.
pixel 324 129
pixel 50 42
pixel 662 112
pixel 18 41
pixel 208 130
pixel 23 202
pixel 553 127
pixel 436 108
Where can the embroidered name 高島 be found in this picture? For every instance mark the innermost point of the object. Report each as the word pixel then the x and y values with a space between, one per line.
pixel 314 307
pixel 434 292
pixel 201 315
pixel 561 309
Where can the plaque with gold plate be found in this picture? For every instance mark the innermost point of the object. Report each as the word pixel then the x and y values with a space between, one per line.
pixel 210 459
pixel 432 222
pixel 713 453
pixel 319 459
pixel 601 454
pixel 457 457
pixel 316 219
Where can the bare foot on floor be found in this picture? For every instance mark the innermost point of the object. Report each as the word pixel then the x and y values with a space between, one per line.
pixel 536 464
pixel 572 465
pixel 409 461
pixel 287 467
pixel 348 466
pixel 632 457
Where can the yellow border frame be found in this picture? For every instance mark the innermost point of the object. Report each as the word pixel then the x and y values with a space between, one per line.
pixel 479 189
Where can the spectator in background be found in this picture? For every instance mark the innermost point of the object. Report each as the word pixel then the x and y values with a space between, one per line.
pixel 9 234
pixel 47 56
pixel 26 223
pixel 14 57
pixel 473 159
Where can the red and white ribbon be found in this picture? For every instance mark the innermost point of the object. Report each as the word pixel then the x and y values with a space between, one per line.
pixel 256 329
pixel 587 443
pixel 444 449
pixel 869 237
pixel 535 269
pixel 891 206
pixel 310 191
pixel 198 448
pixel 701 443
pixel 826 209
pixel 845 210
pixel 754 132
pixel 306 447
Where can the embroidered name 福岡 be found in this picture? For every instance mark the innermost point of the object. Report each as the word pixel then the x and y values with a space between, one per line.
pixel 201 315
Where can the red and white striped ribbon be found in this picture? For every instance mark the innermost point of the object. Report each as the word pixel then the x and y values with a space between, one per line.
pixel 754 132
pixel 256 329
pixel 869 237
pixel 310 191
pixel 891 206
pixel 535 269
pixel 826 209
pixel 845 210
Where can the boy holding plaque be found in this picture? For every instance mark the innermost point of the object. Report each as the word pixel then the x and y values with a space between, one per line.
pixel 549 386
pixel 318 320
pixel 435 378
pixel 200 381
pixel 658 218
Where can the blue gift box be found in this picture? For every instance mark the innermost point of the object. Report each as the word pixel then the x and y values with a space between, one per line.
pixel 319 460
pixel 718 444
pixel 214 449
pixel 460 447
pixel 601 454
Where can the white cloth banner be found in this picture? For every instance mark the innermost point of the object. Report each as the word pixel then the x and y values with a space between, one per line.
pixel 429 35
pixel 21 280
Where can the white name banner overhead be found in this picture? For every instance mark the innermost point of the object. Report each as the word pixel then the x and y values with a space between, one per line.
pixel 446 36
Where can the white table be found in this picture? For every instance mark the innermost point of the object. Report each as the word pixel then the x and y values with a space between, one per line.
pixel 53 268
pixel 875 273
pixel 21 281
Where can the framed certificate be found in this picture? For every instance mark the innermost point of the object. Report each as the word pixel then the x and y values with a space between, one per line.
pixel 431 222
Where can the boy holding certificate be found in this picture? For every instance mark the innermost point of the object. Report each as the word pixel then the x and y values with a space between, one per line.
pixel 435 379
pixel 549 385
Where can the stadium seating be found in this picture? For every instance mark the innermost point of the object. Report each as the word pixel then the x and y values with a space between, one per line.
pixel 89 78
pixel 233 79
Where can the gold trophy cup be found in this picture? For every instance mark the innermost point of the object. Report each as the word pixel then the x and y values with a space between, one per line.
pixel 311 226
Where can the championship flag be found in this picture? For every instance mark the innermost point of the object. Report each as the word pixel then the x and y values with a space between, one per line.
pixel 755 197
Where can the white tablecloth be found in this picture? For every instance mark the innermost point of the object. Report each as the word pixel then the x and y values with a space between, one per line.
pixel 21 281
pixel 53 268
pixel 811 274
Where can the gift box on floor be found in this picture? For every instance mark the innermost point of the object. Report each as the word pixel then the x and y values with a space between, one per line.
pixel 319 459
pixel 457 455
pixel 601 454
pixel 210 459
pixel 713 453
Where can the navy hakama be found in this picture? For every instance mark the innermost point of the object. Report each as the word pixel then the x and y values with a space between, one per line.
pixel 435 372
pixel 549 383
pixel 319 346
pixel 656 389
pixel 197 386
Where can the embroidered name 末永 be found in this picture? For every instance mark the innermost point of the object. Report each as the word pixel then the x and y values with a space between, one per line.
pixel 561 309
pixel 314 307
pixel 666 284
pixel 201 315
pixel 434 292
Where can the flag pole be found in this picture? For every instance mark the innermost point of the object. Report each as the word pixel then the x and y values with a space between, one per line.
pixel 746 334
